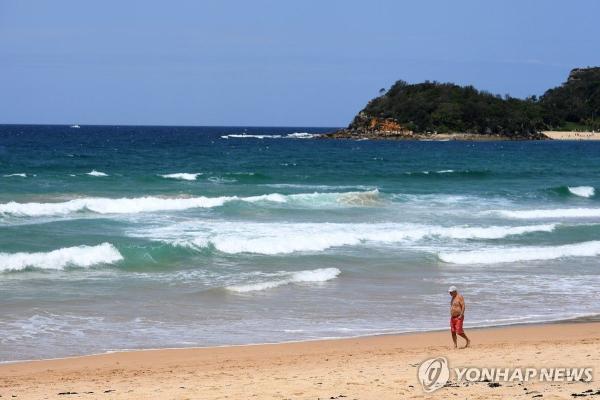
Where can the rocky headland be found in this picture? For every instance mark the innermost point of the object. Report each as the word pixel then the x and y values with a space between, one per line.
pixel 446 111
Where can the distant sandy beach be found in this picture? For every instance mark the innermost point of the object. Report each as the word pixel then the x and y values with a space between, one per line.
pixel 566 135
pixel 378 367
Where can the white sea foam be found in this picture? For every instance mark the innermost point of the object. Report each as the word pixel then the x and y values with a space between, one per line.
pixel 185 176
pixel 294 135
pixel 21 175
pixel 110 206
pixel 315 275
pixel 301 135
pixel 221 180
pixel 272 197
pixel 96 173
pixel 102 205
pixel 235 136
pixel 550 213
pixel 80 256
pixel 517 254
pixel 286 238
pixel 443 171
pixel 319 187
pixel 582 191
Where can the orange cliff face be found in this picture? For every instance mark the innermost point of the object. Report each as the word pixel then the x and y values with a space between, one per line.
pixel 386 125
pixel 366 126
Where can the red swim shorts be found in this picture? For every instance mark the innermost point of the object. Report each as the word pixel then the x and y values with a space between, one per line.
pixel 456 325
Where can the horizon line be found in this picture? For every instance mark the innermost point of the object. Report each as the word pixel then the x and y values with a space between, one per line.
pixel 170 126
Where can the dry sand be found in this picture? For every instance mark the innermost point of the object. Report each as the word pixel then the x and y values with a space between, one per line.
pixel 379 367
pixel 558 135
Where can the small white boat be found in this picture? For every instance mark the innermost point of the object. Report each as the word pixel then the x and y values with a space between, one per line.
pixel 75 126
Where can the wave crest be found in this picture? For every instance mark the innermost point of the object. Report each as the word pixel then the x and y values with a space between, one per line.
pixel 294 135
pixel 134 205
pixel 550 213
pixel 96 173
pixel 185 176
pixel 530 253
pixel 450 172
pixel 582 191
pixel 286 238
pixel 80 256
pixel 301 135
pixel 315 275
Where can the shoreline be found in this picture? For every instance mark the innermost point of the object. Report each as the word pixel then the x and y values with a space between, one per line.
pixel 460 136
pixel 592 318
pixel 381 366
pixel 421 137
pixel 572 135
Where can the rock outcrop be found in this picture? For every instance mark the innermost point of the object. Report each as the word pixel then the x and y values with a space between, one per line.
pixel 364 126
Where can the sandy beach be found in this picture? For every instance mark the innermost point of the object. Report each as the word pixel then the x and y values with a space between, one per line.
pixel 378 367
pixel 568 135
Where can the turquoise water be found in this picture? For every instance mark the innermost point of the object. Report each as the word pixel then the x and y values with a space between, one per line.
pixel 144 237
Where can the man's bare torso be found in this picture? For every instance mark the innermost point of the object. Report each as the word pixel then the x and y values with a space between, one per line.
pixel 456 305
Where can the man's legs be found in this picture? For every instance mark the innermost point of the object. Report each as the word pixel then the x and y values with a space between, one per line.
pixel 456 327
pixel 462 335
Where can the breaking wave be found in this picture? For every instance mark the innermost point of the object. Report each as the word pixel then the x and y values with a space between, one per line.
pixel 308 186
pixel 102 205
pixel 96 173
pixel 286 238
pixel 582 191
pixel 80 256
pixel 21 175
pixel 221 180
pixel 185 176
pixel 295 135
pixel 301 135
pixel 449 172
pixel 315 275
pixel 550 213
pixel 243 136
pixel 530 253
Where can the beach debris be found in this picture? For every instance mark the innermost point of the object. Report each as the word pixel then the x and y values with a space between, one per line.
pixel 451 384
pixel 585 393
pixel 494 384
pixel 66 393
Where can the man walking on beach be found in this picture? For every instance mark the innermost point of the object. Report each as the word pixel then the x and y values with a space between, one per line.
pixel 457 316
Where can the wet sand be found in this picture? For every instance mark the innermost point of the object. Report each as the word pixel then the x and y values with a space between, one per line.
pixel 377 367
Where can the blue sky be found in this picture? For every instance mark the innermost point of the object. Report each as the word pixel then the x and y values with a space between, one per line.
pixel 272 63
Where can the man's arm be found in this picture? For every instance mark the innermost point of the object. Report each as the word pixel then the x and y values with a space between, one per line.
pixel 463 307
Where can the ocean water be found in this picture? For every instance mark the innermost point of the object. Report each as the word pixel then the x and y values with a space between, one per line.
pixel 145 237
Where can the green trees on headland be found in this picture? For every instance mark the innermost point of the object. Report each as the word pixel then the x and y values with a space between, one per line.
pixel 446 107
pixel 576 103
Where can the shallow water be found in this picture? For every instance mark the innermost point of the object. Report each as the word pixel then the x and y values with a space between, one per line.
pixel 139 237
